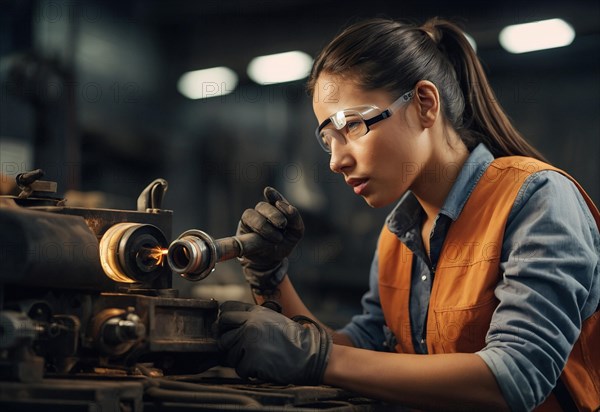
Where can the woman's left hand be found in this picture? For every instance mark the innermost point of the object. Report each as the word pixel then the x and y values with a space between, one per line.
pixel 262 343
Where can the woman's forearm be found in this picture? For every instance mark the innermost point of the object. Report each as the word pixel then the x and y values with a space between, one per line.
pixel 431 382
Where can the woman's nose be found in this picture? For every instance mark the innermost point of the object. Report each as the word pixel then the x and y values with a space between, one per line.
pixel 341 157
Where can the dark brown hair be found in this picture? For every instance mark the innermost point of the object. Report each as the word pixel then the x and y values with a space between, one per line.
pixel 381 54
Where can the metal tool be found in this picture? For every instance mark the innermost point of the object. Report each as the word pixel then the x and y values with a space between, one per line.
pixel 195 253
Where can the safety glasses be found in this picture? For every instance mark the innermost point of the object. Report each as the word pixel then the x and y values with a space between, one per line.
pixel 350 124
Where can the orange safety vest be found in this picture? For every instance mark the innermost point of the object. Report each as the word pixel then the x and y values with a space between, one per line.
pixel 462 298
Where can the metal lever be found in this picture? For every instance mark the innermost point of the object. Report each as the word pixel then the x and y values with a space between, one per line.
pixel 150 200
pixel 29 182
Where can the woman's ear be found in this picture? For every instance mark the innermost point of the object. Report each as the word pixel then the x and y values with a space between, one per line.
pixel 428 100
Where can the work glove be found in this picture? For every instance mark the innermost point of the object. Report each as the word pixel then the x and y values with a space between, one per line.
pixel 281 227
pixel 262 343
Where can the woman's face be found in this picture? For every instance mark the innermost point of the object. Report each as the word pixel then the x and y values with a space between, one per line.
pixel 384 163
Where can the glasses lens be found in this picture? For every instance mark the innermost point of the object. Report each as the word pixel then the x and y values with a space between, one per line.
pixel 326 136
pixel 355 127
pixel 343 127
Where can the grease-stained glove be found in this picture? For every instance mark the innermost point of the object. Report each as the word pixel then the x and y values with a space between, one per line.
pixel 261 343
pixel 281 227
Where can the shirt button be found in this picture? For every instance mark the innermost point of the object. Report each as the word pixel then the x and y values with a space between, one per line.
pixel 424 278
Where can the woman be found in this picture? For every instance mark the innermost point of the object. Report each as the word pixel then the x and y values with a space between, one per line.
pixel 489 263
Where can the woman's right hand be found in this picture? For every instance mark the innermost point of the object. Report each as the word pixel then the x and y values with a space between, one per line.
pixel 281 227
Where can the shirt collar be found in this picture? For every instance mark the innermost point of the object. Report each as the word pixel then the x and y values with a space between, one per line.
pixel 475 166
pixel 408 211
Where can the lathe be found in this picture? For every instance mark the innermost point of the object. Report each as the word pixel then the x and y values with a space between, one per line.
pixel 89 320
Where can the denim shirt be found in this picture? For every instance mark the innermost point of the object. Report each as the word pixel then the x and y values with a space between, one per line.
pixel 550 263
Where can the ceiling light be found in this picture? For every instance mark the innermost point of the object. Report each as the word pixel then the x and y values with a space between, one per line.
pixel 280 68
pixel 539 35
pixel 201 84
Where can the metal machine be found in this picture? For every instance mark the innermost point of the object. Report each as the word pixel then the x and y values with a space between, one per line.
pixel 89 320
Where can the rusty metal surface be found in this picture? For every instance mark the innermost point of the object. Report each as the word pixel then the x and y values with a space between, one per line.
pixel 48 250
pixel 172 324
pixel 105 393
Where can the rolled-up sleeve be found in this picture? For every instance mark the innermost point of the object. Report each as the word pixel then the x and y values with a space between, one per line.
pixel 366 330
pixel 550 285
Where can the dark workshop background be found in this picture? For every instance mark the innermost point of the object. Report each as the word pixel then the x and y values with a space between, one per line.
pixel 88 93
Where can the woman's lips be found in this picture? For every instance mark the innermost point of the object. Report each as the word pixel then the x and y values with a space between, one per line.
pixel 358 185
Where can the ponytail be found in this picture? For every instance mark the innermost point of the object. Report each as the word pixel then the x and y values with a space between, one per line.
pixel 483 118
pixel 374 51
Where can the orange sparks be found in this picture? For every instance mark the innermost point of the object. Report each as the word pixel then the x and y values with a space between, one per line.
pixel 158 254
